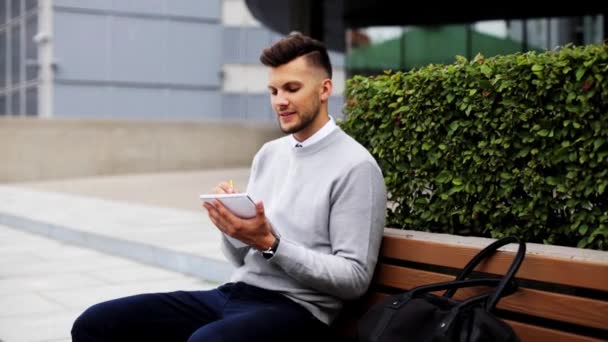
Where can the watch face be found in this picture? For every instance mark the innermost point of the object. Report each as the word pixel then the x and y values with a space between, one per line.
pixel 267 254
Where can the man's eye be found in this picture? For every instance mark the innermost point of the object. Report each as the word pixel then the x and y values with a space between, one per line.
pixel 292 90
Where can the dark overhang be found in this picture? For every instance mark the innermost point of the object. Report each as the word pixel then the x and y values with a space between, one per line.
pixel 327 19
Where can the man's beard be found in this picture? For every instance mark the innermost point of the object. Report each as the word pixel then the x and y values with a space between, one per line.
pixel 306 120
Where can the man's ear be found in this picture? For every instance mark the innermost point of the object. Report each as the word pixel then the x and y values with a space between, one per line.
pixel 326 88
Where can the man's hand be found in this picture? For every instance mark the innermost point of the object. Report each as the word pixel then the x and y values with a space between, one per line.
pixel 255 232
pixel 224 188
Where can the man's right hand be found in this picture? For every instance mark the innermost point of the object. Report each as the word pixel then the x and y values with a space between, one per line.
pixel 223 188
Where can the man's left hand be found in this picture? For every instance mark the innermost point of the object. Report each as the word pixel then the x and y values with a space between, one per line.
pixel 255 232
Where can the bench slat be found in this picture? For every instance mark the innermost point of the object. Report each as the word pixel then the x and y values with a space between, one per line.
pixel 542 268
pixel 532 333
pixel 560 307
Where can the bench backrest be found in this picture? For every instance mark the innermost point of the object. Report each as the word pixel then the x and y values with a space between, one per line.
pixel 558 299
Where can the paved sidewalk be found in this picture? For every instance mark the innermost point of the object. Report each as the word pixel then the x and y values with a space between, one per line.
pixel 46 284
pixel 65 245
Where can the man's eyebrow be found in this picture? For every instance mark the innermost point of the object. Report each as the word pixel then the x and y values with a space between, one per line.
pixel 286 84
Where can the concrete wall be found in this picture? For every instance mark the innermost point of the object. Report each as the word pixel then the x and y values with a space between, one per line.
pixel 36 149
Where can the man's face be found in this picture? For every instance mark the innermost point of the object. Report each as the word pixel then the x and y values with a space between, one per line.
pixel 296 93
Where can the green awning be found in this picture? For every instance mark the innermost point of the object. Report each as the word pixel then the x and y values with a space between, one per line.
pixel 421 46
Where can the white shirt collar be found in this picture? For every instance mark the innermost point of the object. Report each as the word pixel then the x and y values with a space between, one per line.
pixel 320 134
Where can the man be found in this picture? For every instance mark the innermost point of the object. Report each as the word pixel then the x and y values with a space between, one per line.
pixel 313 243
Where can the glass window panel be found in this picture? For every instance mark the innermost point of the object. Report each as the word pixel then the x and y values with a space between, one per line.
pixel 15 54
pixel 2 104
pixel 31 101
pixel 31 28
pixel 31 72
pixel 31 48
pixel 30 4
pixel 3 60
pixel 3 6
pixel 15 8
pixel 15 104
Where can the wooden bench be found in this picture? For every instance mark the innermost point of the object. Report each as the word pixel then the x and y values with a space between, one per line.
pixel 559 299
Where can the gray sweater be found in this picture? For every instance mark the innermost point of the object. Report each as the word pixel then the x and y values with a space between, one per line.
pixel 328 202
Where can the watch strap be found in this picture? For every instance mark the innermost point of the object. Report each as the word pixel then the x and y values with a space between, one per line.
pixel 270 252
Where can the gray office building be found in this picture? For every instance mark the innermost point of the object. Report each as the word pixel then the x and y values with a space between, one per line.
pixel 138 59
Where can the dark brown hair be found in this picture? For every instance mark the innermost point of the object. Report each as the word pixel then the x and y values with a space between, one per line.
pixel 294 46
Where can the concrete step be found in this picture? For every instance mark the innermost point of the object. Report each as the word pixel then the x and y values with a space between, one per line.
pixel 179 240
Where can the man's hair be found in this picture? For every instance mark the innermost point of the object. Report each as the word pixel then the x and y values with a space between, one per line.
pixel 294 46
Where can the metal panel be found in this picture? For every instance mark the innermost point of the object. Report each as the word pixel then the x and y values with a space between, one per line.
pixel 124 49
pixel 195 52
pixel 137 51
pixel 81 46
pixel 81 101
pixel 140 6
pixel 207 9
pixel 244 44
pixel 251 107
pixel 196 105
pixel 121 102
pixel 89 4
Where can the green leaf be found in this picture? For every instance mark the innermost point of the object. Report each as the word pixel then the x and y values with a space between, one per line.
pixel 537 68
pixel 486 70
pixel 523 152
pixel 450 98
pixel 454 126
pixel 582 229
pixel 597 143
pixel 426 146
pixel 457 181
pixel 552 180
pixel 543 132
pixel 443 177
pixel 421 200
pixel 579 73
pixel 444 196
pixel 456 189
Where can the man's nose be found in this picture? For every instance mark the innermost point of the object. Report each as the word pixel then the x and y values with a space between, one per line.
pixel 281 101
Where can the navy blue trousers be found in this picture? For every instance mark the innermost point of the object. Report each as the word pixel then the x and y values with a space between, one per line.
pixel 232 312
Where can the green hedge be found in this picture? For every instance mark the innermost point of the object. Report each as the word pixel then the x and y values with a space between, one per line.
pixel 510 145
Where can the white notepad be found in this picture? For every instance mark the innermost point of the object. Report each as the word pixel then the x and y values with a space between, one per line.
pixel 239 204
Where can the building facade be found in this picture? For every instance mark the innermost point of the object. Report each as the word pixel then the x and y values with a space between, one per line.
pixel 141 59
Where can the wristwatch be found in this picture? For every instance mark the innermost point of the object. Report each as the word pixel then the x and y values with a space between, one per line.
pixel 269 253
